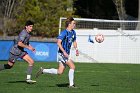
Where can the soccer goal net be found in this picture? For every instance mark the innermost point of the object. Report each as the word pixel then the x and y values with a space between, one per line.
pixel 121 41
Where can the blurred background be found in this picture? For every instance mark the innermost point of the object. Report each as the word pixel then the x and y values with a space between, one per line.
pixel 46 13
pixel 117 20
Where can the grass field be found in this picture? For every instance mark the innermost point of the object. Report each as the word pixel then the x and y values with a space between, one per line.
pixel 89 78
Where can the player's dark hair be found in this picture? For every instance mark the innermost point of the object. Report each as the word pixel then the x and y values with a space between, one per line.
pixel 68 21
pixel 29 22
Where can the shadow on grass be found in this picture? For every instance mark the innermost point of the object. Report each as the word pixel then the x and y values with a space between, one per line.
pixel 63 85
pixel 94 85
pixel 20 81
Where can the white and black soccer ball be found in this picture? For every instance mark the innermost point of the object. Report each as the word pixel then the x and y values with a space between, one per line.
pixel 99 38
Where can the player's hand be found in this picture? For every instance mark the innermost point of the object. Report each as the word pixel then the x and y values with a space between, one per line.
pixel 77 52
pixel 34 50
pixel 31 48
pixel 65 54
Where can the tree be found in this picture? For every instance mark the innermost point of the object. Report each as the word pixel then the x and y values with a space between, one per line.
pixel 7 7
pixel 52 11
pixel 121 11
pixel 97 9
pixel 7 14
pixel 45 14
pixel 138 25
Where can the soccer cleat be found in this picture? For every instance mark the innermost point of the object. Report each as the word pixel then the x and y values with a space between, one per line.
pixel 73 86
pixel 29 81
pixel 39 72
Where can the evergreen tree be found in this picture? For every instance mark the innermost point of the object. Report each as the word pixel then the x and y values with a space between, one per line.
pixel 45 14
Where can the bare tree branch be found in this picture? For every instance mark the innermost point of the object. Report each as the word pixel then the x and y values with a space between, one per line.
pixel 121 11
pixel 11 8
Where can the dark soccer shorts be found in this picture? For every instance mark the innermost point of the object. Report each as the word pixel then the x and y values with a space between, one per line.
pixel 13 57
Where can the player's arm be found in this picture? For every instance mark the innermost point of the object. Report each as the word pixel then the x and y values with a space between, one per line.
pixel 75 46
pixel 22 37
pixel 25 46
pixel 32 48
pixel 61 48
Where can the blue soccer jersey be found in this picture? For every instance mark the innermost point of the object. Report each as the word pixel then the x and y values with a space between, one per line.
pixel 67 38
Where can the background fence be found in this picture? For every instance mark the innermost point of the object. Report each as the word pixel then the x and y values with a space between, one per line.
pixel 121 44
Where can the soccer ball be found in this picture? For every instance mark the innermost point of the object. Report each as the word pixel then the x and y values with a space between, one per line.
pixel 99 38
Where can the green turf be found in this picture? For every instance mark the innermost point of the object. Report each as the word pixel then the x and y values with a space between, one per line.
pixel 89 78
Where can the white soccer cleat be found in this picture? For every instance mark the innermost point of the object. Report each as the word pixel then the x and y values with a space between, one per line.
pixel 30 81
pixel 39 72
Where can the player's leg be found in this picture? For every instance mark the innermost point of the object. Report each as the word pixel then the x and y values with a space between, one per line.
pixel 71 72
pixel 30 62
pixel 55 71
pixel 50 71
pixel 59 71
pixel 10 63
pixel 62 64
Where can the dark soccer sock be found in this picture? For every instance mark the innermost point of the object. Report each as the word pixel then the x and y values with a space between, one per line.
pixel 2 67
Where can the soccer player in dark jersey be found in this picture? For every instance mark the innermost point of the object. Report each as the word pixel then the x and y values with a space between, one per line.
pixel 17 51
pixel 64 41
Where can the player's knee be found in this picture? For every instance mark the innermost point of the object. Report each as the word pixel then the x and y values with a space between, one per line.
pixel 72 67
pixel 31 63
pixel 7 66
pixel 60 72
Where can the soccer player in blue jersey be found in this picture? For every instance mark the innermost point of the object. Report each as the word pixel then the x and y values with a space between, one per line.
pixel 17 51
pixel 64 41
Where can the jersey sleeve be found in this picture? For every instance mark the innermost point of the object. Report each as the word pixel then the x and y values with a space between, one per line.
pixel 22 36
pixel 74 34
pixel 61 35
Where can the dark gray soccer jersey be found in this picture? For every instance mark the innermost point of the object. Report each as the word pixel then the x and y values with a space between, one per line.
pixel 24 37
